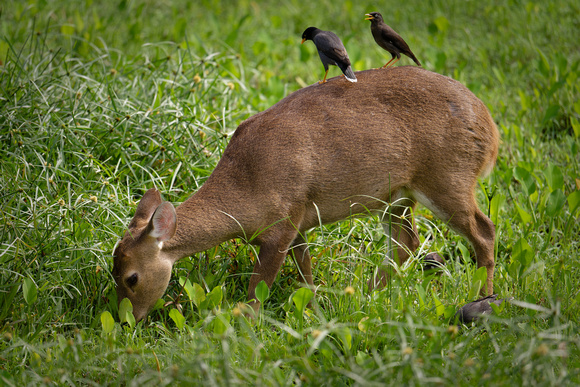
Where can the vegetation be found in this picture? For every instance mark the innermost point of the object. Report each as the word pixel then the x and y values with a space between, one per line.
pixel 99 102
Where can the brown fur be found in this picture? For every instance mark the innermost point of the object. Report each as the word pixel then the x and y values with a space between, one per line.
pixel 319 155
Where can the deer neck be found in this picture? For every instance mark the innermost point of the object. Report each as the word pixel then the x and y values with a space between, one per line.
pixel 202 222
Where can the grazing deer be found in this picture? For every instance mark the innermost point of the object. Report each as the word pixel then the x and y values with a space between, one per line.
pixel 319 155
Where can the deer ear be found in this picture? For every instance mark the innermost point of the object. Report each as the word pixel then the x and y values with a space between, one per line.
pixel 164 222
pixel 147 206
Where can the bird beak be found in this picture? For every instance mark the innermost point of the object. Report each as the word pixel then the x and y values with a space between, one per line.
pixel 370 17
pixel 303 40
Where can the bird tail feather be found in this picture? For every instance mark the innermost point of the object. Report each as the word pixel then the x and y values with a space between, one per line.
pixel 416 61
pixel 349 74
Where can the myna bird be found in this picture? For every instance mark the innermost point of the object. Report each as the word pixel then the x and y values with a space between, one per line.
pixel 474 310
pixel 388 39
pixel 331 51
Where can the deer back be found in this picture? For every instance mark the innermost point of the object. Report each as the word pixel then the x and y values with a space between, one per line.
pixel 339 144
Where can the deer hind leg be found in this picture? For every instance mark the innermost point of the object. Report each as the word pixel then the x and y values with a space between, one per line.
pixel 399 228
pixel 299 252
pixel 460 211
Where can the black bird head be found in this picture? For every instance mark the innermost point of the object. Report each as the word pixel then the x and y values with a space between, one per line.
pixel 374 17
pixel 309 33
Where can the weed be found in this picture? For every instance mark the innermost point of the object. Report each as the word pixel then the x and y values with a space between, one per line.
pixel 98 103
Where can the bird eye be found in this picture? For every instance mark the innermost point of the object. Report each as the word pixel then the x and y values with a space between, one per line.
pixel 131 281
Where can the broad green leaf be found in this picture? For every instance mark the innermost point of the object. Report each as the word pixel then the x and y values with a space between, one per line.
pixel 480 275
pixel 276 21
pixel 574 201
pixel 30 291
pixel 514 268
pixel 258 47
pixel 543 65
pixel 262 291
pixel 523 253
pixel 526 179
pixel 441 60
pixel 345 336
pixel 235 31
pixel 327 351
pixel 421 295
pixel 80 24
pixel 556 86
pixel 67 29
pixel 555 202
pixel 479 279
pixel 449 311
pixel 126 311
pixel 288 304
pixel 517 131
pixel 96 22
pixel 213 298
pixel 362 358
pixel 465 255
pixel 209 278
pixel 575 126
pixel 497 309
pixel 158 304
pixel 554 177
pixel 551 113
pixel 532 301
pixel 130 318
pixel 177 318
pixel 221 323
pixel 188 287
pixel 301 298
pixel 439 307
pixel 577 299
pixel 107 322
pixel 441 23
pixel 525 100
pixel 364 324
pixel 495 205
pixel 524 215
pixel 197 295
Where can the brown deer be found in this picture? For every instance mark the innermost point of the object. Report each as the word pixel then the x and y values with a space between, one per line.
pixel 321 154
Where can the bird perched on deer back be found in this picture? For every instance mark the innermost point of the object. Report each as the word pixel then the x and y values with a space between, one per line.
pixel 331 51
pixel 388 39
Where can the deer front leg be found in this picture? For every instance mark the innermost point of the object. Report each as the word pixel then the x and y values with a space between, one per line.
pixel 270 259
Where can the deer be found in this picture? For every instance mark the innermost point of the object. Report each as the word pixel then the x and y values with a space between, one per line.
pixel 320 155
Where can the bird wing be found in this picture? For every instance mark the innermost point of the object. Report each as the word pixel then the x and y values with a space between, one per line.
pixel 390 35
pixel 330 45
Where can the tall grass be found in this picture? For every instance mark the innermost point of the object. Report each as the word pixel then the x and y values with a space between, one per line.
pixel 99 102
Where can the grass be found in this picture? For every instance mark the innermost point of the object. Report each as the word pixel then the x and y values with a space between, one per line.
pixel 100 102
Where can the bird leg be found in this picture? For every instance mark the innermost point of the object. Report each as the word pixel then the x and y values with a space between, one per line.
pixel 387 65
pixel 324 80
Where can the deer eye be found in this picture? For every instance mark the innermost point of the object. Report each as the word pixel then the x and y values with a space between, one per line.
pixel 132 280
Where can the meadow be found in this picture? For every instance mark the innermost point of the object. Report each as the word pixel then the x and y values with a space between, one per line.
pixel 100 101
